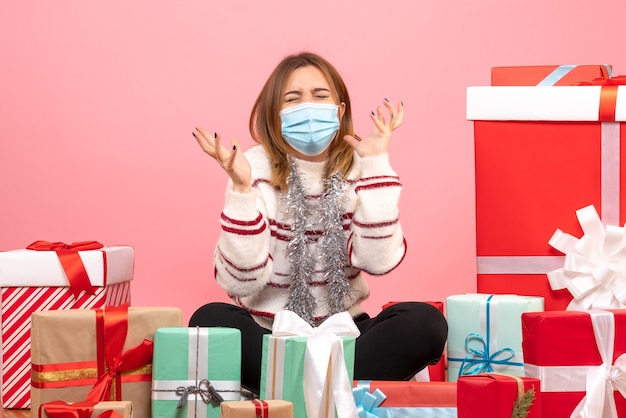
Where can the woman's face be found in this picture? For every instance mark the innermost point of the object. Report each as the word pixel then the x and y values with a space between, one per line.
pixel 308 84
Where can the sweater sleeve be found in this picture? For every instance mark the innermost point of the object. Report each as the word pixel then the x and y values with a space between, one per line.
pixel 242 261
pixel 376 244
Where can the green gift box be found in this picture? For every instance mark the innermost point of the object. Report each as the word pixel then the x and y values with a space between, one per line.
pixel 190 366
pixel 285 360
pixel 485 333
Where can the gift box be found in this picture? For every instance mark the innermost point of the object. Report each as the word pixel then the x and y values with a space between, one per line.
pixel 35 280
pixel 300 362
pixel 547 75
pixel 61 409
pixel 194 369
pixel 493 395
pixel 257 409
pixel 541 153
pixel 398 399
pixel 485 333
pixel 579 358
pixel 96 354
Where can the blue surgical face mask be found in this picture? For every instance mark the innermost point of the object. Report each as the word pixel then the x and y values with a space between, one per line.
pixel 310 127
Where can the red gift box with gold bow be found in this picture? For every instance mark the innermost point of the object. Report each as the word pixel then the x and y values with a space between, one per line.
pixel 52 276
pixel 542 153
pixel 95 355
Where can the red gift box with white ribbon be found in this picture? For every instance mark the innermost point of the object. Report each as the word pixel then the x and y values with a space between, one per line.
pixel 53 276
pixel 579 356
pixel 541 153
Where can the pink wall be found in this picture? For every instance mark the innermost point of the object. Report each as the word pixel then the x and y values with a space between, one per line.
pixel 98 101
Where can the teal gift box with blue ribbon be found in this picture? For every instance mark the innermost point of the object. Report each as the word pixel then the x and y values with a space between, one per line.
pixel 194 369
pixel 485 333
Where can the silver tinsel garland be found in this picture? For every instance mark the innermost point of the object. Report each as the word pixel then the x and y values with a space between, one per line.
pixel 301 301
pixel 332 246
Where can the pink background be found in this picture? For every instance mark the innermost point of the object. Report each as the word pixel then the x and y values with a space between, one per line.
pixel 98 101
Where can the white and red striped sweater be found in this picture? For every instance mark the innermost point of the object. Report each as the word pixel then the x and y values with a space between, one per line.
pixel 251 263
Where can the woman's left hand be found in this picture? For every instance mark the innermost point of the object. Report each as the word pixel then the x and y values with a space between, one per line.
pixel 377 141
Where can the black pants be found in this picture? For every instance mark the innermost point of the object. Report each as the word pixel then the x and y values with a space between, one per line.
pixel 395 345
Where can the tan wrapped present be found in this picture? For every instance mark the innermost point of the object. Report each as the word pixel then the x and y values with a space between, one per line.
pixel 60 409
pixel 74 362
pixel 257 409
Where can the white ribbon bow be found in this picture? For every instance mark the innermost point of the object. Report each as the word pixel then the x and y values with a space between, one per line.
pixel 594 271
pixel 602 380
pixel 323 356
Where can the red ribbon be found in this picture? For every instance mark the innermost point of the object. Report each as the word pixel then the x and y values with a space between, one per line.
pixel 71 262
pixel 261 408
pixel 608 95
pixel 111 330
pixel 62 409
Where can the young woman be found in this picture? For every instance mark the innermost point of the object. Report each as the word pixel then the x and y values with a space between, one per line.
pixel 307 211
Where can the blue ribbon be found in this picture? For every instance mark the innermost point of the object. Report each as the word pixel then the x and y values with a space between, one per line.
pixel 480 360
pixel 561 71
pixel 366 402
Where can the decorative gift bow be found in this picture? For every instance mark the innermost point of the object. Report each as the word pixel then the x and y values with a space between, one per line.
pixel 367 401
pixel 71 262
pixel 602 380
pixel 207 393
pixel 608 95
pixel 594 270
pixel 480 360
pixel 112 327
pixel 324 365
pixel 62 409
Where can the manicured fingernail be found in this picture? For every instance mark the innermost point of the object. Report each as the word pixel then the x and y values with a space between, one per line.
pixel 401 103
pixel 235 147
pixel 386 99
pixel 373 114
pixel 214 134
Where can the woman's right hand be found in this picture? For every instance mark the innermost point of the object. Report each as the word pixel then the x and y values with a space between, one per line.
pixel 234 163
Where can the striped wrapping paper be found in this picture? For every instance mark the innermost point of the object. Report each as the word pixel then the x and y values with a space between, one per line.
pixel 17 303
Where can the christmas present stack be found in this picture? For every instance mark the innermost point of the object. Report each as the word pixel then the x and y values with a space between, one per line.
pixel 541 153
pixel 195 369
pixel 546 157
pixel 96 355
pixel 53 276
pixel 311 367
pixel 485 333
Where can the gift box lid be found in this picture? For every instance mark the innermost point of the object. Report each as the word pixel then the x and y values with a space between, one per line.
pixel 31 268
pixel 558 103
pixel 548 75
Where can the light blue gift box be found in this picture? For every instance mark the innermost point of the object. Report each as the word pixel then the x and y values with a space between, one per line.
pixel 189 366
pixel 485 333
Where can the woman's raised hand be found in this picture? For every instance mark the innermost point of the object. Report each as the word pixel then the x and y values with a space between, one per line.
pixel 232 160
pixel 377 141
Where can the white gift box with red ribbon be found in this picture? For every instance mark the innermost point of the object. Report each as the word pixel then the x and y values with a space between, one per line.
pixel 32 280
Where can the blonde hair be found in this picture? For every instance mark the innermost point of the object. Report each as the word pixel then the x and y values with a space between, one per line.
pixel 265 122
